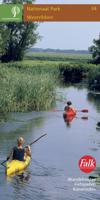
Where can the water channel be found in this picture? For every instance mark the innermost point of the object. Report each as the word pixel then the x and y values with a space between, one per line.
pixel 55 157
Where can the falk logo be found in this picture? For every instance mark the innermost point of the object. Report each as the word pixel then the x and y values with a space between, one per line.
pixel 15 11
pixel 87 163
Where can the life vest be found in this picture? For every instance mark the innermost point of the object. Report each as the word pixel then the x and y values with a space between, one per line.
pixel 18 154
pixel 69 111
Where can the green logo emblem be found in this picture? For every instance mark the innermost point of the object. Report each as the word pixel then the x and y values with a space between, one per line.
pixel 11 12
pixel 15 11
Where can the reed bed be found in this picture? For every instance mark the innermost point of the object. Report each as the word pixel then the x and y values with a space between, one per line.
pixel 22 91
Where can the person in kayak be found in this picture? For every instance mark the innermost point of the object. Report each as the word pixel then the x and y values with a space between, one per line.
pixel 69 113
pixel 69 108
pixel 18 152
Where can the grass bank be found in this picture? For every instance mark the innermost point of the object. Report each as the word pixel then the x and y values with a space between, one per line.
pixel 64 57
pixel 67 72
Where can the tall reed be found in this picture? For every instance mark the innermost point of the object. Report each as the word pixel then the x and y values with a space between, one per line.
pixel 25 91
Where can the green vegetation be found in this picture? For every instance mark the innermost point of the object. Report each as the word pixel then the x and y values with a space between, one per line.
pixel 94 78
pixel 15 38
pixel 73 68
pixel 95 50
pixel 30 84
pixel 58 57
pixel 23 90
pixel 74 72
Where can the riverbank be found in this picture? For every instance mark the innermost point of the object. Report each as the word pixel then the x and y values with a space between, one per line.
pixel 30 85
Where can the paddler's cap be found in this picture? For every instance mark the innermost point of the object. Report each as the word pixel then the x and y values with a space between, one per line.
pixel 20 140
pixel 69 103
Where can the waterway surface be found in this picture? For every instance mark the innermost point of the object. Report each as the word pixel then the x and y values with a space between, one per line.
pixel 55 157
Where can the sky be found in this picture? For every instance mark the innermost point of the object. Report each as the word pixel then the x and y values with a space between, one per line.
pixel 68 35
pixel 67 1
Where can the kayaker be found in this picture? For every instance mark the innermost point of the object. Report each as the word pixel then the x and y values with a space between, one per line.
pixel 18 152
pixel 69 108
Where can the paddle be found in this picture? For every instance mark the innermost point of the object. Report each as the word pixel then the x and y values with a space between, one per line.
pixel 85 118
pixel 84 110
pixel 57 110
pixel 37 139
pixel 2 163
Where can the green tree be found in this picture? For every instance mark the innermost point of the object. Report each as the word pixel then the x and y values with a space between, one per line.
pixel 15 38
pixel 95 50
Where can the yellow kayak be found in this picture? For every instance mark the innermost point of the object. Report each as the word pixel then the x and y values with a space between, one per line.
pixel 16 166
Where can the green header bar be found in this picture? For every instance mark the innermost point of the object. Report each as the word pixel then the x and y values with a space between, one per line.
pixel 11 12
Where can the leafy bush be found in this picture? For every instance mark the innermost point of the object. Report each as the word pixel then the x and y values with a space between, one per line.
pixel 94 78
pixel 74 72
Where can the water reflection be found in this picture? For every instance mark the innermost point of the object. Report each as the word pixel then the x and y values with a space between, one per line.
pixel 12 129
pixel 4 117
pixel 20 178
pixel 68 120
